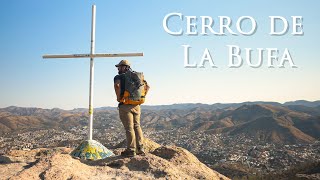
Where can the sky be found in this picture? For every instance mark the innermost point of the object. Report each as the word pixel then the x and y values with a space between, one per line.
pixel 30 29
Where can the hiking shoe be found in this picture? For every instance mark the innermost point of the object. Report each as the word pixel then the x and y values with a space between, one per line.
pixel 128 153
pixel 141 151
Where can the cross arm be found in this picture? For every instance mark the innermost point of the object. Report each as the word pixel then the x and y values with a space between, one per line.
pixel 90 55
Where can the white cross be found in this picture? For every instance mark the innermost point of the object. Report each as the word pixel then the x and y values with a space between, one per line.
pixel 92 55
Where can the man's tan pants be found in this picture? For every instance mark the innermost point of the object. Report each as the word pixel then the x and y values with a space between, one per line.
pixel 130 118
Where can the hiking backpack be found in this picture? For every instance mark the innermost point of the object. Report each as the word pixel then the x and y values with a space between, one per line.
pixel 135 88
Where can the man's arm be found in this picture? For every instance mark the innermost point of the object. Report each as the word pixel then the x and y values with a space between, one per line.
pixel 117 89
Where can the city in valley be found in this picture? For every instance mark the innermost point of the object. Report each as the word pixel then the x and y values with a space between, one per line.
pixel 237 140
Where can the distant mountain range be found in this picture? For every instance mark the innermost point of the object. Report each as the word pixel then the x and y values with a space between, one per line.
pixel 225 105
pixel 291 122
pixel 303 103
pixel 212 106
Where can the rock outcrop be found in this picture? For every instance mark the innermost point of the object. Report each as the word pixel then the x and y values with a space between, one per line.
pixel 160 162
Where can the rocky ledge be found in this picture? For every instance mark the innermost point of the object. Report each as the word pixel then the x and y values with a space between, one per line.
pixel 160 162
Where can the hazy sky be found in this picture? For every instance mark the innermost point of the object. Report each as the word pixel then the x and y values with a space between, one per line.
pixel 30 29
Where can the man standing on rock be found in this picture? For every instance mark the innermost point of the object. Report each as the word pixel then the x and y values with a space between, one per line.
pixel 131 89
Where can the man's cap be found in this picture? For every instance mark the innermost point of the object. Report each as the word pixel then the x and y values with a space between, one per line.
pixel 123 62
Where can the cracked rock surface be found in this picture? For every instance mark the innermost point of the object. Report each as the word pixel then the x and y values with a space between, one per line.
pixel 160 162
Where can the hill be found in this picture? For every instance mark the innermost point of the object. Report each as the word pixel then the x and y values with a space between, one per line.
pixel 277 124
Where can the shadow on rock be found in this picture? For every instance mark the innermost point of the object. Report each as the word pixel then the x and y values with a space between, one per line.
pixel 5 160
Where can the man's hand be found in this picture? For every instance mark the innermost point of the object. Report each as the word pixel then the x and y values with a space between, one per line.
pixel 147 87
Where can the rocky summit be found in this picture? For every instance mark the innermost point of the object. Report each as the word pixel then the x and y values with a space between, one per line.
pixel 160 162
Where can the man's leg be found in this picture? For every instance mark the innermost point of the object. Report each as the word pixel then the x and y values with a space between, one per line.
pixel 127 120
pixel 136 111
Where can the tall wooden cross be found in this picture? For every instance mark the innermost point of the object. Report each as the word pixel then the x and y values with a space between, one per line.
pixel 92 55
